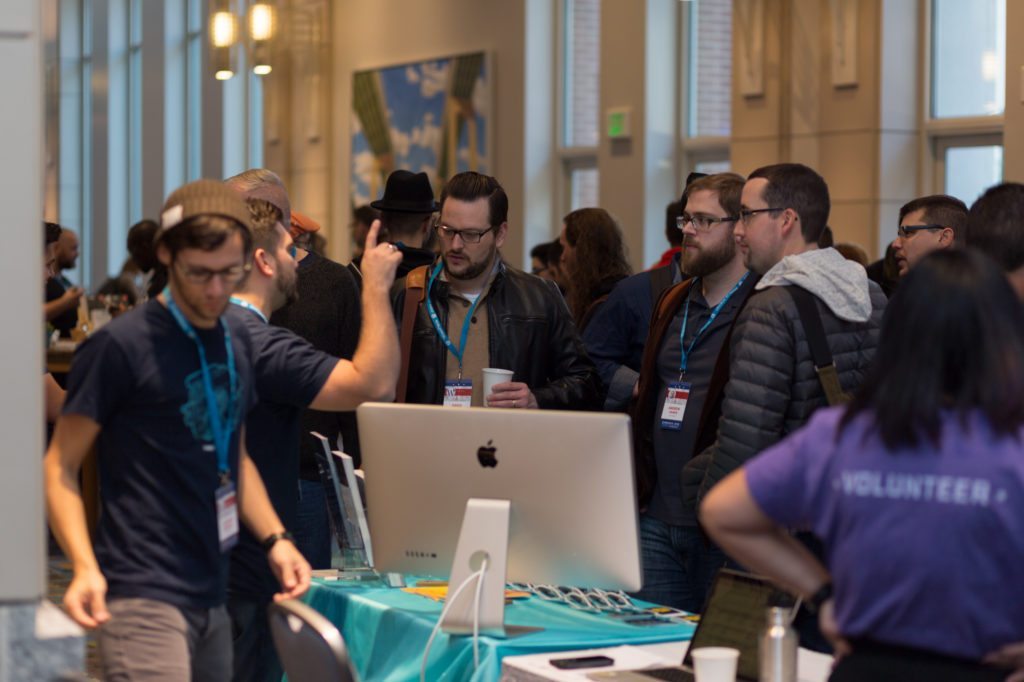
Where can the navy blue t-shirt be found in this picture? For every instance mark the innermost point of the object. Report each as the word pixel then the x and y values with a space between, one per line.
pixel 139 378
pixel 288 373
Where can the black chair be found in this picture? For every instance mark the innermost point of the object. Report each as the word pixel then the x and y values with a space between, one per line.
pixel 311 649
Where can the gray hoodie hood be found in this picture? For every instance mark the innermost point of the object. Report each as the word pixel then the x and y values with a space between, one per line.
pixel 842 285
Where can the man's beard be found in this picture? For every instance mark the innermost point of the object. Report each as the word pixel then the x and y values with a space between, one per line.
pixel 287 289
pixel 472 270
pixel 701 262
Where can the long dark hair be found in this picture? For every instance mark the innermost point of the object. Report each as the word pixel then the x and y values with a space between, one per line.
pixel 952 338
pixel 600 256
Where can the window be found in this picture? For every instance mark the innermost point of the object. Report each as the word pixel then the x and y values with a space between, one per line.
pixel 967 84
pixel 75 114
pixel 968 58
pixel 243 115
pixel 580 103
pixel 194 89
pixel 134 113
pixel 706 71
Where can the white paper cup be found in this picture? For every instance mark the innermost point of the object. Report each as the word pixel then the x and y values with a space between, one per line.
pixel 715 663
pixel 494 376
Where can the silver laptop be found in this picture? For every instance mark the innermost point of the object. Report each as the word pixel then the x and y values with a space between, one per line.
pixel 734 617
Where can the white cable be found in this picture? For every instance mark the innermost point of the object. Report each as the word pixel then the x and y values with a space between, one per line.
pixel 476 615
pixel 449 600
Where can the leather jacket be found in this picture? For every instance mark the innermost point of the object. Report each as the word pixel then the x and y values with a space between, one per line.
pixel 530 332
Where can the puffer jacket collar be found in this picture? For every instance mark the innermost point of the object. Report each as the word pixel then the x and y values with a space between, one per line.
pixel 842 285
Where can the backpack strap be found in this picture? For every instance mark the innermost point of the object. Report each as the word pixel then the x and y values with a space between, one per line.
pixel 821 355
pixel 415 294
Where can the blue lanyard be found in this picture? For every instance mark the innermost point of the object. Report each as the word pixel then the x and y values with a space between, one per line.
pixel 683 350
pixel 251 308
pixel 221 431
pixel 439 328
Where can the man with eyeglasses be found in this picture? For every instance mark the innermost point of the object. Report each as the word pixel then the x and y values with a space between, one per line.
pixel 290 376
pixel 927 224
pixel 616 335
pixel 688 328
pixel 472 310
pixel 773 385
pixel 162 392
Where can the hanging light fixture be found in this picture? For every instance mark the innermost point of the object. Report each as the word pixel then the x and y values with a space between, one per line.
pixel 223 38
pixel 262 28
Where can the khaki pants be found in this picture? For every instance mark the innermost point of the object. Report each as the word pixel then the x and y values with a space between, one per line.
pixel 153 641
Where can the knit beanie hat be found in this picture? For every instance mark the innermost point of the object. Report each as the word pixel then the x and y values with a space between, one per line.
pixel 203 197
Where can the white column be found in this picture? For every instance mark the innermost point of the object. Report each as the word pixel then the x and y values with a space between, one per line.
pixel 22 570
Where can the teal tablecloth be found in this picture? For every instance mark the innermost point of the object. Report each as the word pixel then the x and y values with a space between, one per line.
pixel 386 631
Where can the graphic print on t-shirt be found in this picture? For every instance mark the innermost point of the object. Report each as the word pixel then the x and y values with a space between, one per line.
pixel 197 417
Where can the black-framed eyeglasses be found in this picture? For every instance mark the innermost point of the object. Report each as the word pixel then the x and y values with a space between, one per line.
pixel 468 236
pixel 904 231
pixel 702 223
pixel 201 275
pixel 747 213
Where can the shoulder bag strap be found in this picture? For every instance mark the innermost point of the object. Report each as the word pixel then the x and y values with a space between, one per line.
pixel 415 293
pixel 824 363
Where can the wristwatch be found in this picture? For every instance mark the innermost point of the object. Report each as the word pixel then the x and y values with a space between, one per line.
pixel 823 594
pixel 271 540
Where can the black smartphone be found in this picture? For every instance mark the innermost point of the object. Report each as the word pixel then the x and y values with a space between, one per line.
pixel 581 662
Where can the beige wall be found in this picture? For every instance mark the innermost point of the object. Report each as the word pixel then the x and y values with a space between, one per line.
pixel 374 34
pixel 861 138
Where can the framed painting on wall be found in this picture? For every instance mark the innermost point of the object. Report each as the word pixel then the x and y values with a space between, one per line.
pixel 431 116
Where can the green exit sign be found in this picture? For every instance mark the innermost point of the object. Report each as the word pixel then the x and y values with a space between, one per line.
pixel 618 123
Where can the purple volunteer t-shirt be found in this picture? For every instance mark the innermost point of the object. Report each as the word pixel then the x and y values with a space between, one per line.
pixel 925 546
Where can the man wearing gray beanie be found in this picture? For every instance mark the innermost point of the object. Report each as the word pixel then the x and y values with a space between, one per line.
pixel 162 392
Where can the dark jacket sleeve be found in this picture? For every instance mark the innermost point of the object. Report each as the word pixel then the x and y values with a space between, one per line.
pixel 574 383
pixel 757 394
pixel 608 340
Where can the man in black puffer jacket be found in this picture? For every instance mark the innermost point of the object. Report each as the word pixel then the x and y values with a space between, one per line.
pixel 772 386
pixel 479 312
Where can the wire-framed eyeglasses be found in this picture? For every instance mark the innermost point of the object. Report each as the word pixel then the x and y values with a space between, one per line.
pixel 702 223
pixel 468 236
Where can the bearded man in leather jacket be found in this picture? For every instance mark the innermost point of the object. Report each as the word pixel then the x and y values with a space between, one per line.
pixel 477 311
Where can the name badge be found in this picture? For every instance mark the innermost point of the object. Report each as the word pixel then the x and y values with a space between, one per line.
pixel 227 516
pixel 676 396
pixel 458 393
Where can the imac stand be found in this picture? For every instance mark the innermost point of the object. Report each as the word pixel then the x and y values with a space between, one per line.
pixel 484 535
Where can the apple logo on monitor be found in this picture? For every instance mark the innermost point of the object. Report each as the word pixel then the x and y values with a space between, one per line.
pixel 486 455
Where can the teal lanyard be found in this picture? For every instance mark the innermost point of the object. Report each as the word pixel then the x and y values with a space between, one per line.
pixel 439 328
pixel 221 430
pixel 684 352
pixel 251 308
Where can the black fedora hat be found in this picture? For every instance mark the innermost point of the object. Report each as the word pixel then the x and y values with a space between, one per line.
pixel 407 192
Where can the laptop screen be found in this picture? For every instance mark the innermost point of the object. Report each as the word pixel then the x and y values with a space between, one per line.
pixel 734 616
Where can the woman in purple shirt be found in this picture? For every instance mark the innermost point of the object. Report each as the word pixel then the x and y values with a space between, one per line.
pixel 916 489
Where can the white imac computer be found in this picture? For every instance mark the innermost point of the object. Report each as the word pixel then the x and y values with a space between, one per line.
pixel 545 496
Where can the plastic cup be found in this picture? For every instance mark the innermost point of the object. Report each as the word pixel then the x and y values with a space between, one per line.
pixel 715 663
pixel 494 376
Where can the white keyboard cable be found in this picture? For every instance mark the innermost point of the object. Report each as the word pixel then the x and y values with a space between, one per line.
pixel 449 600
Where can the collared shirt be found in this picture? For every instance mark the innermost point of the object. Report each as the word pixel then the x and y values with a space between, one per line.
pixel 476 354
pixel 672 449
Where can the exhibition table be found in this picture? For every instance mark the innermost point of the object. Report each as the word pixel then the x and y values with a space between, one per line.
pixel 386 631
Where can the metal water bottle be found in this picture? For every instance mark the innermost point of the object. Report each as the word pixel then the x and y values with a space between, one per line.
pixel 778 648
